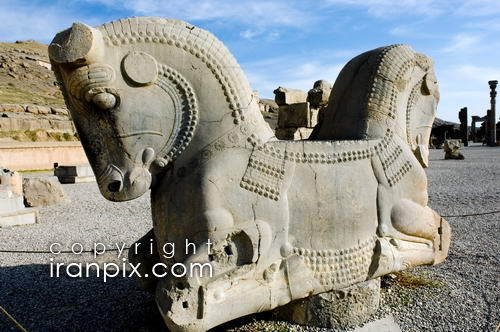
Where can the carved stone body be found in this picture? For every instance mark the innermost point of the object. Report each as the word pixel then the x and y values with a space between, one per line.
pixel 162 104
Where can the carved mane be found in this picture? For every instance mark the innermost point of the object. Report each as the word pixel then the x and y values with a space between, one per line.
pixel 195 41
pixel 375 91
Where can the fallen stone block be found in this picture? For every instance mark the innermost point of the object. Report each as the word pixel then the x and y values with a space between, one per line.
pixel 452 149
pixel 10 202
pixel 25 216
pixel 12 180
pixel 284 96
pixel 297 115
pixel 42 192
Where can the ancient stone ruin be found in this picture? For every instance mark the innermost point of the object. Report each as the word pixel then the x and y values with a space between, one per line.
pixel 162 104
pixel 464 131
pixel 487 133
pixel 299 111
pixel 74 174
pixel 12 209
pixel 451 149
pixel 42 191
pixel 492 119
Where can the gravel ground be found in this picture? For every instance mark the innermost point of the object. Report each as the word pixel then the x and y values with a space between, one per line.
pixel 460 295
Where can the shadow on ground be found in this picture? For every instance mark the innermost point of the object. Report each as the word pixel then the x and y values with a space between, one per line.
pixel 42 303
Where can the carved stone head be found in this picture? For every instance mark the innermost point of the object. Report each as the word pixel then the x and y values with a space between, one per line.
pixel 132 114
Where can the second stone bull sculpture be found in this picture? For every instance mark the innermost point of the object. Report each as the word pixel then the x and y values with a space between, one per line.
pixel 162 104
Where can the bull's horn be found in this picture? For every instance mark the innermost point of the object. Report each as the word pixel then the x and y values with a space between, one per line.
pixel 79 44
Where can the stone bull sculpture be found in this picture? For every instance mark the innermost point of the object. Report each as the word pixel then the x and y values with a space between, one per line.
pixel 162 104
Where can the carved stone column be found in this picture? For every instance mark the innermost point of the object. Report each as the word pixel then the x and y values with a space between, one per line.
pixel 492 128
pixel 464 132
pixel 473 129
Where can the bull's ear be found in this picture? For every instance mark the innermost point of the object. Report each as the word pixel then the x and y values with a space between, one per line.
pixel 78 45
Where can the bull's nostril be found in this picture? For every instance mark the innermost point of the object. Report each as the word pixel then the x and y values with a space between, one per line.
pixel 114 186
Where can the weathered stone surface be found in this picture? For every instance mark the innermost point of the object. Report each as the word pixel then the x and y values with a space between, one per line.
pixel 320 93
pixel 285 96
pixel 59 111
pixel 9 202
pixel 269 110
pixel 37 109
pixel 11 108
pixel 297 115
pixel 349 307
pixel 451 149
pixel 18 218
pixel 274 221
pixel 12 180
pixel 42 192
pixel 40 155
pixel 12 210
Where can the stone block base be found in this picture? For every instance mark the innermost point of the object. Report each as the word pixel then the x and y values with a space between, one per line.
pixel 20 217
pixel 339 309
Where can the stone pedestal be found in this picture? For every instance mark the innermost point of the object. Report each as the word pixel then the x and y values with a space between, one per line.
pixel 13 180
pixel 74 174
pixel 12 210
pixel 341 309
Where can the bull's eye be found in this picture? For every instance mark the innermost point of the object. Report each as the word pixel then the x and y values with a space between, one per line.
pixel 104 100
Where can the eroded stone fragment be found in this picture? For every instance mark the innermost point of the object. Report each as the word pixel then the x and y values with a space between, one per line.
pixel 42 192
pixel 451 149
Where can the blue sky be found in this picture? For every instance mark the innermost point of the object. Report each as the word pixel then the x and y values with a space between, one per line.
pixel 293 43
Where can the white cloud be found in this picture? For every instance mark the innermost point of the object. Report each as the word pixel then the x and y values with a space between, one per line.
pixel 474 73
pixel 254 13
pixel 391 8
pixel 296 73
pixel 426 8
pixel 465 85
pixel 259 34
pixel 463 42
pixel 478 8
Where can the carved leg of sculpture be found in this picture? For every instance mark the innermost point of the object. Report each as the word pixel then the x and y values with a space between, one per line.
pixel 144 252
pixel 404 219
pixel 335 309
pixel 393 254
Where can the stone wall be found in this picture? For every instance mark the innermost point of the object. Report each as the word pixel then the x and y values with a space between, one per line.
pixel 299 111
pixel 40 155
pixel 35 123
